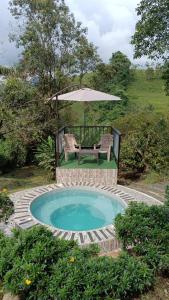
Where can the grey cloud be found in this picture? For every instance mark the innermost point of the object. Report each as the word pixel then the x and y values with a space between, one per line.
pixel 110 23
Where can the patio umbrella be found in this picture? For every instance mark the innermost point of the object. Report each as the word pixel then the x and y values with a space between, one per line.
pixel 85 95
pixel 81 95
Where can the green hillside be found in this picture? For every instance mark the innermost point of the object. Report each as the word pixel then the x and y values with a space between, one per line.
pixel 143 92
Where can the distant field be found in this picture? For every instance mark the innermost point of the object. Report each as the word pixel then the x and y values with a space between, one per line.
pixel 143 92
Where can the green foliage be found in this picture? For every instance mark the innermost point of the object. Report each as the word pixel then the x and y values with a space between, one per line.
pixel 145 143
pixel 17 92
pixel 86 57
pixel 52 42
pixel 165 76
pixel 36 265
pixel 120 63
pixel 6 206
pixel 152 34
pixel 6 70
pixel 112 76
pixel 150 74
pixel 99 278
pixel 167 195
pixel 45 154
pixel 29 255
pixel 12 154
pixel 164 265
pixel 145 229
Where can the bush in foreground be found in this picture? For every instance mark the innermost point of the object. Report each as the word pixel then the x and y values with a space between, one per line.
pixel 100 278
pixel 145 229
pixel 36 265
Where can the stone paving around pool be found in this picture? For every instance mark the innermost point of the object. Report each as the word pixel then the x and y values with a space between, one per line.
pixel 104 237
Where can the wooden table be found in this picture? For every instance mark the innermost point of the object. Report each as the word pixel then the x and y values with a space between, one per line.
pixel 87 152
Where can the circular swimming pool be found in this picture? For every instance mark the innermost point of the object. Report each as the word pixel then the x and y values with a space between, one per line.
pixel 76 209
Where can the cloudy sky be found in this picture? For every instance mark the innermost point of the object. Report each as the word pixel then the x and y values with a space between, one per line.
pixel 110 23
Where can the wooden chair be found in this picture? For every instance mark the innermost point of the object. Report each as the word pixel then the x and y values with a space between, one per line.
pixel 71 145
pixel 105 145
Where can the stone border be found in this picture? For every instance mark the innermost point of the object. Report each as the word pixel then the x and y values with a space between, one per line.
pixel 97 176
pixel 104 237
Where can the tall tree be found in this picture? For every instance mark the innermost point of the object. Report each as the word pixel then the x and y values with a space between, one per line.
pixel 114 75
pixel 151 37
pixel 86 57
pixel 120 64
pixel 50 37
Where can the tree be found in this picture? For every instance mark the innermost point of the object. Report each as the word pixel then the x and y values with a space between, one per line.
pixel 86 57
pixel 114 75
pixel 17 93
pixel 149 72
pixel 165 76
pixel 120 65
pixel 151 37
pixel 112 78
pixel 50 38
pixel 145 144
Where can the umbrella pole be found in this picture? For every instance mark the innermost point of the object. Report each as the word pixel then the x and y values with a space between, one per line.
pixel 57 134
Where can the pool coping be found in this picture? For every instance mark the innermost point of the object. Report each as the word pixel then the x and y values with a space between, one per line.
pixel 105 236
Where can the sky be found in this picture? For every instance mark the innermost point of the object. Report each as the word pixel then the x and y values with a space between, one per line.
pixel 111 23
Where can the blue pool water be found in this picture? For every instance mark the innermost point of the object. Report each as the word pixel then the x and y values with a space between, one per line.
pixel 76 209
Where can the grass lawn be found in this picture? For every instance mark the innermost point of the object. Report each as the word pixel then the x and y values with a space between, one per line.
pixel 23 178
pixel 143 92
pixel 88 162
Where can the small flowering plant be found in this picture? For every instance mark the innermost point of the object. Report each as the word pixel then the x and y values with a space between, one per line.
pixel 72 259
pixel 6 205
pixel 28 282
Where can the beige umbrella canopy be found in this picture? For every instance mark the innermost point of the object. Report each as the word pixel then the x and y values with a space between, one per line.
pixel 86 95
pixel 82 95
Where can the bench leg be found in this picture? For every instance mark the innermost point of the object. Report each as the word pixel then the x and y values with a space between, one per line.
pixel 108 156
pixel 66 156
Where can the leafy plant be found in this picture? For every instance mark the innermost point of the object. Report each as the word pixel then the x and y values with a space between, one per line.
pixel 6 206
pixel 145 142
pixel 145 229
pixel 99 278
pixel 36 265
pixel 45 154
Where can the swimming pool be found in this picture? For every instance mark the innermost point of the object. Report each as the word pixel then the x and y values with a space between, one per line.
pixel 76 209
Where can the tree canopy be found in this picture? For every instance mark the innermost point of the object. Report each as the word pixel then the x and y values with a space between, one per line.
pixel 51 39
pixel 151 37
pixel 114 75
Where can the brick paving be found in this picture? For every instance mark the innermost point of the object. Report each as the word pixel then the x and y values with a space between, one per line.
pixel 104 237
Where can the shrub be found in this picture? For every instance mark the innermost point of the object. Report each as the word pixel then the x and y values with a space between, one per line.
pixel 145 229
pixel 145 143
pixel 167 195
pixel 6 206
pixel 143 224
pixel 99 278
pixel 45 154
pixel 36 265
pixel 17 92
pixel 164 265
pixel 26 260
pixel 12 153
